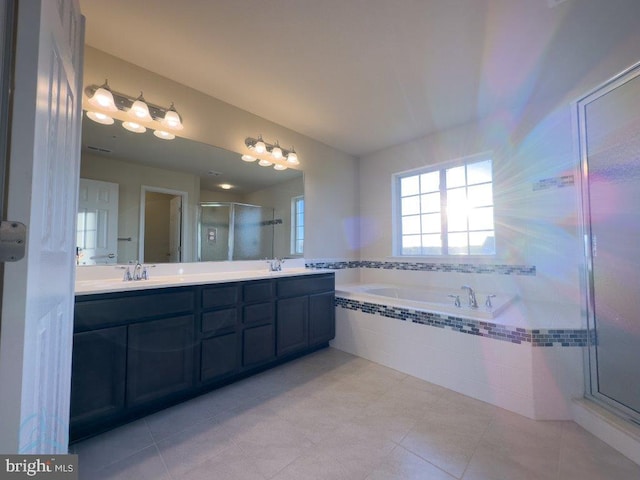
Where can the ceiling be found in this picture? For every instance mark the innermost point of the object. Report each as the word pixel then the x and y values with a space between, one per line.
pixel 358 75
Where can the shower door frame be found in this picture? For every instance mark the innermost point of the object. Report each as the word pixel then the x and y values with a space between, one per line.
pixel 590 359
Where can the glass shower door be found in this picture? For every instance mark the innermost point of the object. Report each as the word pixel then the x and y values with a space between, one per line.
pixel 610 144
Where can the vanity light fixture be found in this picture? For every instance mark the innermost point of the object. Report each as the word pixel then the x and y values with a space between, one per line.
pixel 106 100
pixel 259 147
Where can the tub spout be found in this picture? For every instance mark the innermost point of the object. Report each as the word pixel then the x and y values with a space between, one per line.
pixel 473 303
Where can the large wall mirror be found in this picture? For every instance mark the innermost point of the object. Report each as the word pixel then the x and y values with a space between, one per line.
pixel 153 200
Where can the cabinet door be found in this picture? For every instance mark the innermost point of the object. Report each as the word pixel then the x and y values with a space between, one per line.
pixel 257 345
pixel 322 318
pixel 292 320
pixel 98 374
pixel 219 357
pixel 160 359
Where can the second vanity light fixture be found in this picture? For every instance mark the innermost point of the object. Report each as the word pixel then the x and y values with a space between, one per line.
pixel 273 150
pixel 103 98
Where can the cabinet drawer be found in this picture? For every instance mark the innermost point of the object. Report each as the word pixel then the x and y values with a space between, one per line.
pixel 257 291
pixel 293 287
pixel 219 320
pixel 222 296
pixel 258 313
pixel 114 309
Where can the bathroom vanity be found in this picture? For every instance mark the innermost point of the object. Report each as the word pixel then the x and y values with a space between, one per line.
pixel 137 350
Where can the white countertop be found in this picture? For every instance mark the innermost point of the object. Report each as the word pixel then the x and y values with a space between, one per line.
pixel 95 280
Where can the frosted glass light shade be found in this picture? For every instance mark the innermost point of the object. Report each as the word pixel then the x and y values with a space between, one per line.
pixel 292 157
pixel 140 110
pixel 265 163
pixel 164 135
pixel 100 118
pixel 260 147
pixel 103 99
pixel 172 120
pixel 278 166
pixel 276 152
pixel 134 127
pixel 248 158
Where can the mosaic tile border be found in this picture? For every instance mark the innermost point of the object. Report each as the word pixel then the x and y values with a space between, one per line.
pixel 500 269
pixel 536 337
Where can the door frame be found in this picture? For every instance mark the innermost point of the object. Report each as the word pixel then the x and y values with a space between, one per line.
pixel 587 280
pixel 183 221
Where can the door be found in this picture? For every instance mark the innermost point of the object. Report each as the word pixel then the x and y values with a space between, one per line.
pixel 610 127
pixel 37 291
pixel 97 228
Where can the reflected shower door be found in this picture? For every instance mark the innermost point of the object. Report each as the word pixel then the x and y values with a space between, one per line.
pixel 610 142
pixel 252 232
pixel 214 232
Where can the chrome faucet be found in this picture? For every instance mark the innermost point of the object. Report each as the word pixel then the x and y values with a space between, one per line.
pixel 275 265
pixel 137 271
pixel 473 303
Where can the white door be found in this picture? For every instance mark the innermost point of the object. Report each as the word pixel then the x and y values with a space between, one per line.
pixel 37 291
pixel 175 229
pixel 97 230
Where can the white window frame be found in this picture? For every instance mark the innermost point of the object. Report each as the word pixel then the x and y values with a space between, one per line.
pixel 297 221
pixel 441 167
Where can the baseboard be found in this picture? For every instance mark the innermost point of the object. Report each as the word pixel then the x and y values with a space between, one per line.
pixel 622 435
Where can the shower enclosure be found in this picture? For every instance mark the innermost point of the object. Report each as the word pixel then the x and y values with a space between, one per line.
pixel 609 121
pixel 234 231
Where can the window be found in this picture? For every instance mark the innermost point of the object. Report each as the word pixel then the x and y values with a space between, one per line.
pixel 446 211
pixel 297 225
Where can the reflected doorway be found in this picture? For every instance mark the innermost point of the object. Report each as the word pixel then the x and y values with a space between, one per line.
pixel 161 225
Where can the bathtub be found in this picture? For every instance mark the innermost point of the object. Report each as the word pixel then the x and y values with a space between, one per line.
pixel 434 300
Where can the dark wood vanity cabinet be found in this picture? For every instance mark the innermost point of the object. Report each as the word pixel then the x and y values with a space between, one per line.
pixel 306 313
pixel 137 351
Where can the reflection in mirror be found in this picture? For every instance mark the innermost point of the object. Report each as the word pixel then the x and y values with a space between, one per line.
pixel 235 231
pixel 139 163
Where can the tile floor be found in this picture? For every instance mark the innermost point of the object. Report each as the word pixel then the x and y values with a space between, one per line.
pixel 331 415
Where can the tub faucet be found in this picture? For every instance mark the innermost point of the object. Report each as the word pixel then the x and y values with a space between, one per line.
pixel 473 303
